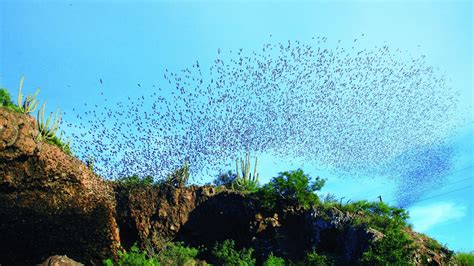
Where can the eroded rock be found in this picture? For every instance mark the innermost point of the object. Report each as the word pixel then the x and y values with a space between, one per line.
pixel 60 261
pixel 50 202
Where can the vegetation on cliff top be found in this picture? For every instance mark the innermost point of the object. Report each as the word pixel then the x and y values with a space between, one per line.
pixel 465 259
pixel 296 190
pixel 47 132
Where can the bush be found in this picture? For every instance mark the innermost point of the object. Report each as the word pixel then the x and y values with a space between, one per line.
pixel 134 257
pixel 225 254
pixel 314 259
pixel 177 254
pixel 225 180
pixel 136 181
pixel 6 101
pixel 64 146
pixel 395 248
pixel 377 215
pixel 432 243
pixel 171 254
pixel 465 259
pixel 274 261
pixel 292 188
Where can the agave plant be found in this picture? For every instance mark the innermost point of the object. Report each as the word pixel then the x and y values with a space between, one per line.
pixel 47 132
pixel 247 181
pixel 30 104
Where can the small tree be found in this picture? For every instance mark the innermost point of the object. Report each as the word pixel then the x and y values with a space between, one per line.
pixel 225 179
pixel 293 188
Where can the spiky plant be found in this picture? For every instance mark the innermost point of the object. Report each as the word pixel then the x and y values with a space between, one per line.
pixel 47 131
pixel 179 177
pixel 247 181
pixel 66 143
pixel 30 104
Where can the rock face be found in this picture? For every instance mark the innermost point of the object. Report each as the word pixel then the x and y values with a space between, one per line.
pixel 155 213
pixel 200 216
pixel 50 203
pixel 333 232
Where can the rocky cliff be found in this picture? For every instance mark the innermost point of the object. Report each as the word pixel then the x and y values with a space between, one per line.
pixel 52 204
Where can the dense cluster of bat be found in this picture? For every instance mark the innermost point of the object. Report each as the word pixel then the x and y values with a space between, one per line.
pixel 348 109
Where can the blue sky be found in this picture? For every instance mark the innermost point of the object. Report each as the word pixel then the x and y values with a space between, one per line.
pixel 65 47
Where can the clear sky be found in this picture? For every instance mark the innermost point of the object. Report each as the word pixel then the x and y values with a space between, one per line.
pixel 66 46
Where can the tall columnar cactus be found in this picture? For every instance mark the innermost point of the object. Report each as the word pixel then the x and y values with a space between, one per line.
pixel 47 131
pixel 30 104
pixel 247 181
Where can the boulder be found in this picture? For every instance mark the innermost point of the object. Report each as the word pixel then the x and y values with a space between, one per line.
pixel 60 261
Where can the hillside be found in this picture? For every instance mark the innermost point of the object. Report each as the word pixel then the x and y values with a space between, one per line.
pixel 51 203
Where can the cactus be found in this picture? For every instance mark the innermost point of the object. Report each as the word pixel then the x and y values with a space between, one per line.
pixel 30 104
pixel 46 131
pixel 247 181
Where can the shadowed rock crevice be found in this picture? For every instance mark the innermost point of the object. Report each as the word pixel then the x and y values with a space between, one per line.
pixel 224 216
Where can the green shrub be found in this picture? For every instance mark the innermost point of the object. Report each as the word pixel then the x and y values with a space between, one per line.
pixel 377 215
pixel 172 253
pixel 395 248
pixel 432 243
pixel 5 97
pixel 225 254
pixel 6 101
pixel 314 259
pixel 292 188
pixel 274 261
pixel 136 181
pixel 225 179
pixel 65 146
pixel 134 257
pixel 465 259
pixel 176 253
pixel 329 199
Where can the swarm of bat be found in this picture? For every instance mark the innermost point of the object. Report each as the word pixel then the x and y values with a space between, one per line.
pixel 352 110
